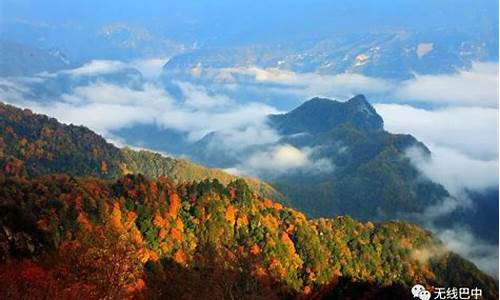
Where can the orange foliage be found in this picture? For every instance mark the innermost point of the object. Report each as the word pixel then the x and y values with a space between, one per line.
pixel 104 167
pixel 163 233
pixel 158 220
pixel 255 249
pixel 176 234
pixel 43 224
pixel 307 290
pixel 84 222
pixel 277 206
pixel 175 205
pixel 180 257
pixel 231 215
pixel 136 236
pixel 137 286
pixel 268 203
pixel 131 216
pixel 277 267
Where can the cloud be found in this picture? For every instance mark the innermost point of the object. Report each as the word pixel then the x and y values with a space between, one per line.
pixel 284 158
pixel 463 242
pixel 306 85
pixel 97 67
pixel 150 68
pixel 469 130
pixel 104 107
pixel 199 97
pixel 475 87
pixel 463 142
pixel 455 171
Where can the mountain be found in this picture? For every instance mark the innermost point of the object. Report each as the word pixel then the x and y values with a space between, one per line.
pixel 21 60
pixel 390 53
pixel 34 145
pixel 372 176
pixel 321 115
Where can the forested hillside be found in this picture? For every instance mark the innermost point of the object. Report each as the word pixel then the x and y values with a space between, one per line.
pixel 136 238
pixel 44 146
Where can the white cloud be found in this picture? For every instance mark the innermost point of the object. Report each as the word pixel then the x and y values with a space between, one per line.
pixel 463 242
pixel 150 68
pixel 104 107
pixel 475 87
pixel 97 67
pixel 470 130
pixel 307 85
pixel 455 171
pixel 199 97
pixel 283 158
pixel 463 142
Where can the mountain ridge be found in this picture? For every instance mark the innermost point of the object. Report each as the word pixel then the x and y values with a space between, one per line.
pixel 319 115
pixel 45 146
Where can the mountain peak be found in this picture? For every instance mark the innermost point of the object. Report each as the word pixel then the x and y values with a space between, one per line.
pixel 321 115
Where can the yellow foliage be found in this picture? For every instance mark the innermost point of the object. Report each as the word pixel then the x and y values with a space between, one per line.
pixel 136 236
pixel 288 242
pixel 242 221
pixel 179 225
pixel 270 222
pixel 153 256
pixel 166 246
pixel 116 217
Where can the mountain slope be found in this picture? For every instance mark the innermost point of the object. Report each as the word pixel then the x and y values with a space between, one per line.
pixel 35 145
pixel 137 237
pixel 372 176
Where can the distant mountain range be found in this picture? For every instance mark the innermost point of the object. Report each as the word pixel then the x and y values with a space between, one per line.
pixel 22 60
pixel 396 55
pixel 71 221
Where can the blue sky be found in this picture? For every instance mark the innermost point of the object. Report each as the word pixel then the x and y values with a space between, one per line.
pixel 227 20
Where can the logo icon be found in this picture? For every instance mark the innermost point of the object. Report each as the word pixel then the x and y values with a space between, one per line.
pixel 419 291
